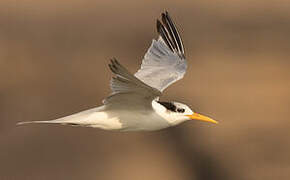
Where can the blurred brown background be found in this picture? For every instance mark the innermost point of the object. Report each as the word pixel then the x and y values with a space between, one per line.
pixel 53 62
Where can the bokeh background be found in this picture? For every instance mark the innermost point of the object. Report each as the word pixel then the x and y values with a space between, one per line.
pixel 53 62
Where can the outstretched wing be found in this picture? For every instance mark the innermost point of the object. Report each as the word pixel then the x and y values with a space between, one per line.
pixel 164 63
pixel 126 86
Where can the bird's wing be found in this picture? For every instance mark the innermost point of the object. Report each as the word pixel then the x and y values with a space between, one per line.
pixel 126 86
pixel 164 63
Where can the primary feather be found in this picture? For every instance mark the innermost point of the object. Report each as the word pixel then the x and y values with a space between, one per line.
pixel 164 63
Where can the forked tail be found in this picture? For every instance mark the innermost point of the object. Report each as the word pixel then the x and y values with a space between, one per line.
pixel 84 118
pixel 51 122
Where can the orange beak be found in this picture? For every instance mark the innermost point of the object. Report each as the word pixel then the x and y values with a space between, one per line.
pixel 200 117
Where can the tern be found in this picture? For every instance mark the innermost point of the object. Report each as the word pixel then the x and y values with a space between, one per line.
pixel 134 104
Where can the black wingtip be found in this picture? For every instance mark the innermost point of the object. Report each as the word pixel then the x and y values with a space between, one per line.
pixel 171 34
pixel 163 17
pixel 112 65
pixel 163 33
pixel 158 24
pixel 165 12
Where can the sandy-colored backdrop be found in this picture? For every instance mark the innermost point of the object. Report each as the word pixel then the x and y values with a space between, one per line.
pixel 53 62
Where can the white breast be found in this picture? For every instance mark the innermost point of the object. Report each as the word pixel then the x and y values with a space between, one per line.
pixel 136 121
pixel 123 119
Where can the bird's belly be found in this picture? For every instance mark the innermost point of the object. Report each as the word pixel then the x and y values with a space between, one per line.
pixel 141 121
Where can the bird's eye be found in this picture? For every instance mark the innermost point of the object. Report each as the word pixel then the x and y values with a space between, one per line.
pixel 180 110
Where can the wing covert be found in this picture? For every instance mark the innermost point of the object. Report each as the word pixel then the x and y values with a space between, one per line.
pixel 124 84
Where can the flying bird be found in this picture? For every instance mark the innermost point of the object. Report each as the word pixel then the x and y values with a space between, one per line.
pixel 134 104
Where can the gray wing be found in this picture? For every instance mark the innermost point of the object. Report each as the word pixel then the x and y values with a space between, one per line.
pixel 164 63
pixel 126 86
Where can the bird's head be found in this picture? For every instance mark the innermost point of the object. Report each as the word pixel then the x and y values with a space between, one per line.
pixel 177 113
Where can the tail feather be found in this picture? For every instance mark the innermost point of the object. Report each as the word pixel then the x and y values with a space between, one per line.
pixel 50 122
pixel 78 119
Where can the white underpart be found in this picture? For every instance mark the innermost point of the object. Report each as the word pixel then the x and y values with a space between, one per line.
pixel 136 118
pixel 95 117
pixel 112 118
